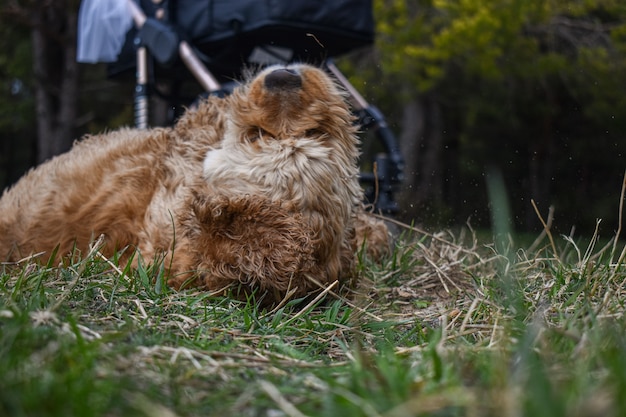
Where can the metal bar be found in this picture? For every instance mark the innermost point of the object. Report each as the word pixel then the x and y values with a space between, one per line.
pixel 138 15
pixel 141 89
pixel 141 86
pixel 197 68
pixel 189 58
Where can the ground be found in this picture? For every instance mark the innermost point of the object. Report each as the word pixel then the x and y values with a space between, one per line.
pixel 444 326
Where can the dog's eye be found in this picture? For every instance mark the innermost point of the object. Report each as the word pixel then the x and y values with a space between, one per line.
pixel 314 133
pixel 254 134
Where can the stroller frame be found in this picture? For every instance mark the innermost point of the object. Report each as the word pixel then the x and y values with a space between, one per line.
pixel 161 41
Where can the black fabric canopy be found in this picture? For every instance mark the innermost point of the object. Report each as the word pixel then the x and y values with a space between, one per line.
pixel 234 33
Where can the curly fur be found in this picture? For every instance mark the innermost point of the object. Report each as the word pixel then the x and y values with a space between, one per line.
pixel 257 189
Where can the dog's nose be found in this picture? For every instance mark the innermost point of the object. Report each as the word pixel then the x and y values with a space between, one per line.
pixel 283 78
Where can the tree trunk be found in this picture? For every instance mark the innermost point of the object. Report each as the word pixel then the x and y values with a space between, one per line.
pixel 56 77
pixel 411 138
pixel 541 163
pixel 421 142
pixel 430 187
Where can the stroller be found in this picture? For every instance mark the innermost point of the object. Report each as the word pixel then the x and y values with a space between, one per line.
pixel 179 49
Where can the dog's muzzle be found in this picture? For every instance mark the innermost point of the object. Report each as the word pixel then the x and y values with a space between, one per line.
pixel 282 79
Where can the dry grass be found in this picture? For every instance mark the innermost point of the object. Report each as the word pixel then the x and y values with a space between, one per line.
pixel 445 326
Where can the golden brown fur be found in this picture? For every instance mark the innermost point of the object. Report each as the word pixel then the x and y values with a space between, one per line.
pixel 257 189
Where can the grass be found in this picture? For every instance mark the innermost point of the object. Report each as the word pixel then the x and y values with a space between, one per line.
pixel 444 326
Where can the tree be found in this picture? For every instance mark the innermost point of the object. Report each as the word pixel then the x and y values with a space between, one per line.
pixel 528 87
pixel 17 118
pixel 55 72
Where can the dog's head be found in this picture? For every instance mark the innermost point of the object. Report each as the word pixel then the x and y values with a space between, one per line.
pixel 299 100
pixel 289 136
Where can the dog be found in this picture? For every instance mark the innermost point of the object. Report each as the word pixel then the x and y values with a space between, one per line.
pixel 257 190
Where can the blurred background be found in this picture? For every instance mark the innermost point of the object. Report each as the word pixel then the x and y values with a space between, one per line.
pixel 533 90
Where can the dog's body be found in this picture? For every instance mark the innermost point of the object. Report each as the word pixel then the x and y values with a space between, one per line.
pixel 259 188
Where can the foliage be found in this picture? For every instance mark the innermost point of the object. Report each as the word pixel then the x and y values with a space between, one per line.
pixel 102 104
pixel 528 87
pixel 426 40
pixel 17 115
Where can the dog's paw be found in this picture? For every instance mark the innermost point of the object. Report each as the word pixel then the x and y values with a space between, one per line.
pixel 371 235
pixel 251 241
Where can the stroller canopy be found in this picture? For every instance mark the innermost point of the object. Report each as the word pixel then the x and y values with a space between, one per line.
pixel 231 34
